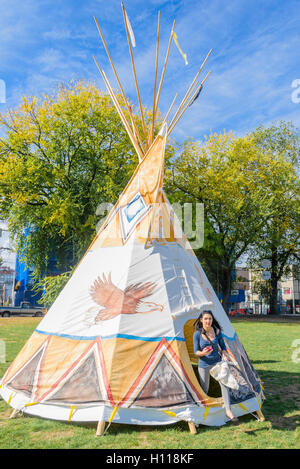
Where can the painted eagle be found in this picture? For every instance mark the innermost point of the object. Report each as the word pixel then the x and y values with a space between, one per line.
pixel 116 301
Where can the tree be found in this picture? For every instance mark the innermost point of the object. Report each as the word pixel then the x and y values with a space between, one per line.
pixel 51 286
pixel 61 157
pixel 279 240
pixel 228 175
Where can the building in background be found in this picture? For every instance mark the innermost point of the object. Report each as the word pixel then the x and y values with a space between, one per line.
pixel 7 276
pixel 16 280
pixel 24 285
pixel 257 302
pixel 289 292
pixel 7 265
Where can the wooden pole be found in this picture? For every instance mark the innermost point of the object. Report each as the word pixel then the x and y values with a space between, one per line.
pixel 134 72
pixel 164 69
pixel 132 125
pixel 118 107
pixel 260 415
pixel 176 120
pixel 183 102
pixel 150 137
pixel 187 94
pixel 167 115
pixel 192 428
pixel 122 117
pixel 187 105
pixel 100 428
pixel 119 83
pixel 14 414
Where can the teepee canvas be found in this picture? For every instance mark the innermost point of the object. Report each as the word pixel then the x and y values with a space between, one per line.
pixel 114 346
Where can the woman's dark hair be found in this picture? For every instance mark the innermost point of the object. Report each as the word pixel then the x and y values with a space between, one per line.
pixel 198 324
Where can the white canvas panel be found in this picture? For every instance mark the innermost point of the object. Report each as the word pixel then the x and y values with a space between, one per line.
pixel 74 309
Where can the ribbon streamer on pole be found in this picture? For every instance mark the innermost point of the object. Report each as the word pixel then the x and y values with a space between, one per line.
pixel 179 48
pixel 130 30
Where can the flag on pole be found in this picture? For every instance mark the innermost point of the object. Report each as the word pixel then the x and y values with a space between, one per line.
pixel 197 95
pixel 132 38
pixel 179 48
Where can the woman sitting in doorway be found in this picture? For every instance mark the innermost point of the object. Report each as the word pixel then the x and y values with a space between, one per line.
pixel 207 340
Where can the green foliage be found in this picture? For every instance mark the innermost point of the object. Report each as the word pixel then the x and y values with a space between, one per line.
pixel 261 287
pixel 281 232
pixel 279 239
pixel 62 157
pixel 247 185
pixel 224 174
pixel 51 286
pixel 59 160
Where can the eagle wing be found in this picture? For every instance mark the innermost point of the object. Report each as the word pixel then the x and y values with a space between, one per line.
pixel 139 290
pixel 105 293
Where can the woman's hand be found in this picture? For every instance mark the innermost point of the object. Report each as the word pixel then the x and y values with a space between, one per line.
pixel 206 351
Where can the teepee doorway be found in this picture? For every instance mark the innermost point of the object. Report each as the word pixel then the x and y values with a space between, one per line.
pixel 214 387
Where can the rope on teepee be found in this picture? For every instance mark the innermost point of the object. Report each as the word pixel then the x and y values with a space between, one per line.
pixel 248 411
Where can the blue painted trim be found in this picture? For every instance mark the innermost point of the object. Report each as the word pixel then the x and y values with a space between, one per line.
pixel 112 336
pixel 229 338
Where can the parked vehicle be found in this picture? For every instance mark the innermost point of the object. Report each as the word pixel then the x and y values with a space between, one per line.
pixel 238 312
pixel 25 309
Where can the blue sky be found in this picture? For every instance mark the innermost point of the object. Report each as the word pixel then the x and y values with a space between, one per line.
pixel 254 61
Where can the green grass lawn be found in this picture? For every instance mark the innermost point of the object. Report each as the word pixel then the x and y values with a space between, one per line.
pixel 269 346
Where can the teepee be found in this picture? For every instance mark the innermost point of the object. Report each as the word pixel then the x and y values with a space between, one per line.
pixel 116 343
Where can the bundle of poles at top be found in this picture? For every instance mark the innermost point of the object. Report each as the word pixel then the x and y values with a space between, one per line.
pixel 140 144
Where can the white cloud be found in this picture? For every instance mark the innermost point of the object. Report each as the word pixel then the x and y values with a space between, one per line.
pixel 253 61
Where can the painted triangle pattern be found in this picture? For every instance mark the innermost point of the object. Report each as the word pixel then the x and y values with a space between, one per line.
pixel 164 388
pixel 24 380
pixel 82 386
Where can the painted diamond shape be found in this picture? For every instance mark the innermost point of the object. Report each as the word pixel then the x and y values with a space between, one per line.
pixel 132 213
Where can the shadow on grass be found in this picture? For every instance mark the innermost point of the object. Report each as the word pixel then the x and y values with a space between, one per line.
pixel 282 391
pixel 259 362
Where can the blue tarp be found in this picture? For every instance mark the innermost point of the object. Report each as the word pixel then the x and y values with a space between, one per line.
pixel 239 298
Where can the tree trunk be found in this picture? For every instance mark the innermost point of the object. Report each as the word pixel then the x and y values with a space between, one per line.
pixel 274 281
pixel 219 273
pixel 274 296
pixel 226 288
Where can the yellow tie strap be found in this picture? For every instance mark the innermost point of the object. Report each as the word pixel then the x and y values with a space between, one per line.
pixel 261 384
pixel 113 414
pixel 259 403
pixel 30 403
pixel 205 413
pixel 73 408
pixel 110 419
pixel 10 398
pixel 170 413
pixel 243 407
